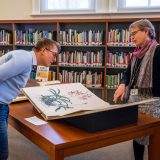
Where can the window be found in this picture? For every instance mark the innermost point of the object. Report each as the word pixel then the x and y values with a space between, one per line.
pixel 138 5
pixel 49 6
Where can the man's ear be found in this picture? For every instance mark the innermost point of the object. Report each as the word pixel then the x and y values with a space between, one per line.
pixel 42 51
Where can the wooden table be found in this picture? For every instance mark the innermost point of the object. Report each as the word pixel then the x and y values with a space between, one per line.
pixel 60 140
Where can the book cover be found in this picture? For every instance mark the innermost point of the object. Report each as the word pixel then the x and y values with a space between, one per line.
pixel 42 73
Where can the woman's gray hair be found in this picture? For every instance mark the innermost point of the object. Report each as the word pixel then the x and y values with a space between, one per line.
pixel 144 25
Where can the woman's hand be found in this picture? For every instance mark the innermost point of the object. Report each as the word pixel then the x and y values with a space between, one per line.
pixel 119 93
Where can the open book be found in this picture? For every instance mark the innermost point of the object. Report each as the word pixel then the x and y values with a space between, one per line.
pixel 67 100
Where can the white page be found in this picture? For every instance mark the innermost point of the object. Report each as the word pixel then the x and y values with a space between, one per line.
pixel 35 120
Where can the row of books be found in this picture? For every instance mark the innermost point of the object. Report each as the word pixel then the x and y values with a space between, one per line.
pixel 85 77
pixel 74 37
pixel 88 78
pixel 5 37
pixel 117 37
pixel 118 59
pixel 80 58
pixel 31 37
pixel 42 73
pixel 113 81
pixel 44 77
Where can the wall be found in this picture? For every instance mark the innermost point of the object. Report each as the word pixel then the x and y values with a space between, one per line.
pixel 15 9
pixel 22 10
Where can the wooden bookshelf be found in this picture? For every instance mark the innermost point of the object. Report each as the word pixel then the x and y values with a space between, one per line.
pixel 79 27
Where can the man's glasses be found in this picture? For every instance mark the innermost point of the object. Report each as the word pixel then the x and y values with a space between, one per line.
pixel 54 53
pixel 134 33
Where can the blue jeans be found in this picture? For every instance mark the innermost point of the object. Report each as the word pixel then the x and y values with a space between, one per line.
pixel 4 110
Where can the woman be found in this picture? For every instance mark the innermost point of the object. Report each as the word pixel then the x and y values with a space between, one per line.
pixel 142 77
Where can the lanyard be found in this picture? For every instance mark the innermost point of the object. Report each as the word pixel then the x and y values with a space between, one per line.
pixel 135 72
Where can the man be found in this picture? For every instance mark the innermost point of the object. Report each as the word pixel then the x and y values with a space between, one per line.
pixel 15 68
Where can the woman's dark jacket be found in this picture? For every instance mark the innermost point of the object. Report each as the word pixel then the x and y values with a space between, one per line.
pixel 155 77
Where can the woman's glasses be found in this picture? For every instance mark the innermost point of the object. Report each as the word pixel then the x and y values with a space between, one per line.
pixel 134 33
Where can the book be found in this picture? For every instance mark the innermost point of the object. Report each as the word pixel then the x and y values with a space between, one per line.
pixel 67 100
pixel 63 99
pixel 42 73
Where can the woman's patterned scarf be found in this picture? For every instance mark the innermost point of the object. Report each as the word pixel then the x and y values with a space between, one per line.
pixel 140 52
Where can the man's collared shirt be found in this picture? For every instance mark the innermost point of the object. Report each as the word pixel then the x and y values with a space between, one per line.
pixel 15 68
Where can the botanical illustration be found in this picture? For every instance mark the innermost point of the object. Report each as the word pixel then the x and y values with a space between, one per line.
pixel 80 94
pixel 62 102
pixel 55 99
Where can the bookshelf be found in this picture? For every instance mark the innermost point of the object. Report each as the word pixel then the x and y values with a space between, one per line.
pixel 83 53
pixel 27 34
pixel 6 39
pixel 119 50
pixel 90 54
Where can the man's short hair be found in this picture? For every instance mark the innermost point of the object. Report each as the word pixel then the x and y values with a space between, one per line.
pixel 46 43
